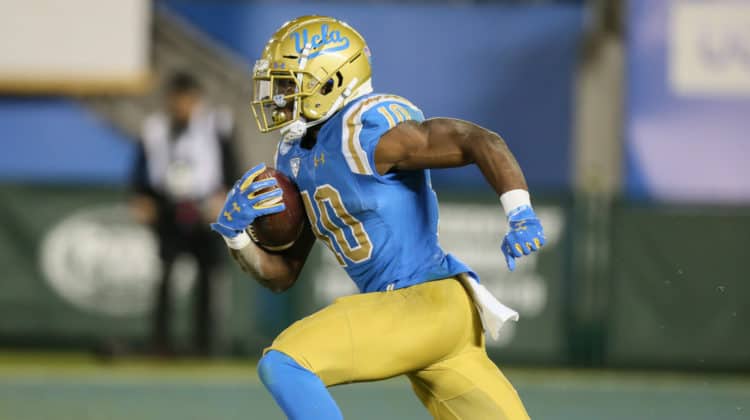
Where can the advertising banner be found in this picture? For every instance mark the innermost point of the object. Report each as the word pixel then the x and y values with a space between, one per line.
pixel 78 271
pixel 686 134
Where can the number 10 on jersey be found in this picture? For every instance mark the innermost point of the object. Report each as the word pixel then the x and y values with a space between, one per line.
pixel 335 218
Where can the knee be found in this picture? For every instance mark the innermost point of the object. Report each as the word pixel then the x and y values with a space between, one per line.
pixel 267 365
pixel 275 365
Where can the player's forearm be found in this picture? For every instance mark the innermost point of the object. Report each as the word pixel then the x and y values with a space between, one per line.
pixel 497 163
pixel 484 148
pixel 272 271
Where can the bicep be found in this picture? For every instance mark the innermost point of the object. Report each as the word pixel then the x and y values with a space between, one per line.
pixel 433 143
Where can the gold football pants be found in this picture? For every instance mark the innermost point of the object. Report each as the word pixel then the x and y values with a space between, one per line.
pixel 430 332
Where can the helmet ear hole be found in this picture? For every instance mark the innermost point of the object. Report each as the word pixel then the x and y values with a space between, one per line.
pixel 327 87
pixel 340 78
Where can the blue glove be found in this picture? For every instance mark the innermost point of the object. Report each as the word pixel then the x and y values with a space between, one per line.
pixel 247 200
pixel 525 236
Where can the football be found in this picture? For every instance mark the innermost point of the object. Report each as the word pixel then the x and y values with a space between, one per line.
pixel 277 232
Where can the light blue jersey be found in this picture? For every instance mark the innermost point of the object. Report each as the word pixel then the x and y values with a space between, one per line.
pixel 381 228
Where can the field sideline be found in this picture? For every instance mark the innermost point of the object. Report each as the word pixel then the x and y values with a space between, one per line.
pixel 72 386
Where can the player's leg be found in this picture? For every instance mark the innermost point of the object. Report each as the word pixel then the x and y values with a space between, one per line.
pixel 299 392
pixel 202 309
pixel 374 336
pixel 468 385
pixel 208 255
pixel 286 372
pixel 161 333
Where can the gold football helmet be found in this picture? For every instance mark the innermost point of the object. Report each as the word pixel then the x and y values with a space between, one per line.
pixel 310 68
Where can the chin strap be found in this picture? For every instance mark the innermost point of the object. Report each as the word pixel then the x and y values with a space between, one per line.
pixel 297 129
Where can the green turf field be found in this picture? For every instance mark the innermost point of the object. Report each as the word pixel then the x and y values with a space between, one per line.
pixel 79 388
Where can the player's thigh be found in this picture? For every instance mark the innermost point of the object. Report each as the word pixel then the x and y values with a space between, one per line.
pixel 320 342
pixel 378 335
pixel 468 386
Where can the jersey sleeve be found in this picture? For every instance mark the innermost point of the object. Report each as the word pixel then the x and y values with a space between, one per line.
pixel 366 122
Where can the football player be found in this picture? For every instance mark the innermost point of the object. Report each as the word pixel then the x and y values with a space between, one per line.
pixel 361 161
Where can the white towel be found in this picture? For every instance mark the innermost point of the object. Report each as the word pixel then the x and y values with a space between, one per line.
pixel 493 313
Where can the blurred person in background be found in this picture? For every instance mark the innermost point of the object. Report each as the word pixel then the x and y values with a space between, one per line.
pixel 180 179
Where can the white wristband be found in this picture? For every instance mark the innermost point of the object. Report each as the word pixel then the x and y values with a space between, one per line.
pixel 513 199
pixel 238 242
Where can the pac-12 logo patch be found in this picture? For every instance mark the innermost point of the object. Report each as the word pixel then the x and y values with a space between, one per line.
pixel 294 162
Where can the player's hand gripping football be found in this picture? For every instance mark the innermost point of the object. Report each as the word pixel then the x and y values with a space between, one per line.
pixel 247 200
pixel 525 236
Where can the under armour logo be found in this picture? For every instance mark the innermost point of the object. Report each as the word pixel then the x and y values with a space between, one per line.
pixel 322 159
pixel 235 208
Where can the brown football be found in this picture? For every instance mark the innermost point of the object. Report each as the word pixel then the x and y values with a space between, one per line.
pixel 277 232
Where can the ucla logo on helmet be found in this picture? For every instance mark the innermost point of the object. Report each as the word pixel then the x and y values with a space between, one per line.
pixel 325 42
